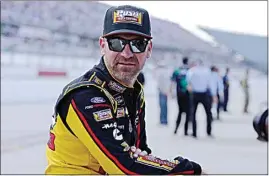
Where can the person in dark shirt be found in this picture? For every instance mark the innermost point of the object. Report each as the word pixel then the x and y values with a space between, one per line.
pixel 226 83
pixel 183 96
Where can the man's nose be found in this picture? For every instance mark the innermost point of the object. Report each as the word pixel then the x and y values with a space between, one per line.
pixel 127 53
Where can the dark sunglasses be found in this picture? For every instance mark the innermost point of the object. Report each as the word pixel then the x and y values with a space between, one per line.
pixel 136 45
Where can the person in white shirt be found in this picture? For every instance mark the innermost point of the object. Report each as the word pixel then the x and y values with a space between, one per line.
pixel 199 83
pixel 245 85
pixel 217 89
pixel 162 74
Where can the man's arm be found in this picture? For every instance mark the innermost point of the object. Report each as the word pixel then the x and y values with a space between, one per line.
pixel 173 83
pixel 91 118
pixel 188 79
pixel 94 124
pixel 220 86
pixel 212 84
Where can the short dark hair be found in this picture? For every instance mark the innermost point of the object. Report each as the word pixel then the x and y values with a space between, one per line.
pixel 212 68
pixel 185 60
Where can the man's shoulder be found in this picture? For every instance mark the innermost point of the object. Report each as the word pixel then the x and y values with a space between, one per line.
pixel 85 99
pixel 93 94
pixel 82 92
pixel 89 90
pixel 88 85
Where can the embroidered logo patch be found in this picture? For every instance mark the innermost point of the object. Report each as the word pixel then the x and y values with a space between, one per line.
pixel 97 80
pixel 119 99
pixel 98 106
pixel 111 125
pixel 117 135
pixel 153 161
pixel 114 86
pixel 102 115
pixel 127 16
pixel 130 126
pixel 120 112
pixel 98 100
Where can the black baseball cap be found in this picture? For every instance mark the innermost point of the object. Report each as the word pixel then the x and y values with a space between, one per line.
pixel 127 19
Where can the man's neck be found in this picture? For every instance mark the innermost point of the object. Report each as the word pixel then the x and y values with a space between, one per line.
pixel 126 82
pixel 130 84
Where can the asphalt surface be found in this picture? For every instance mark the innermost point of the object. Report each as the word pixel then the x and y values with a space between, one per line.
pixel 233 150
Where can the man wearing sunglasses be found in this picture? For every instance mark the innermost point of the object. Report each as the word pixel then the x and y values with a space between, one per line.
pixel 98 125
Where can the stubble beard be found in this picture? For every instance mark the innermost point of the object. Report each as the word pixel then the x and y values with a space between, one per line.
pixel 124 75
pixel 127 77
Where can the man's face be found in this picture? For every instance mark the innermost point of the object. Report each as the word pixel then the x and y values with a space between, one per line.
pixel 124 65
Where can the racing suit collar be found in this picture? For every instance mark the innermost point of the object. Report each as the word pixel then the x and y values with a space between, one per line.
pixel 120 87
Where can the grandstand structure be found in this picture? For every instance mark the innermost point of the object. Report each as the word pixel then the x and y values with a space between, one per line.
pixel 72 29
pixel 252 47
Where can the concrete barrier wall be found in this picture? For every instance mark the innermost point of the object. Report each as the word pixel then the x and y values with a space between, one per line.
pixel 31 78
pixel 23 84
pixel 42 90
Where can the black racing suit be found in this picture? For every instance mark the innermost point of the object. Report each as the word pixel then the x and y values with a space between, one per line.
pixel 96 121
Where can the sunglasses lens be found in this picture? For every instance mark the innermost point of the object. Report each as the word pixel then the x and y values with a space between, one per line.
pixel 115 44
pixel 138 46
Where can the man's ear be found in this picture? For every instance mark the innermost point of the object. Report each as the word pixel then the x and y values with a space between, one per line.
pixel 102 45
pixel 149 50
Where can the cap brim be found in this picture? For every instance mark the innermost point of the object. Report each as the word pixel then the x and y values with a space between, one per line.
pixel 126 31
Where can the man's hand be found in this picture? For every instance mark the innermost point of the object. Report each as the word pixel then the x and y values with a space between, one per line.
pixel 189 88
pixel 215 99
pixel 138 152
pixel 221 97
pixel 186 167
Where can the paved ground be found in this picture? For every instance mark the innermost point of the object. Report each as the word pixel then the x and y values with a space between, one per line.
pixel 234 150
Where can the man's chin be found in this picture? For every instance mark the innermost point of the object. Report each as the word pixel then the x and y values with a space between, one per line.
pixel 126 75
pixel 126 70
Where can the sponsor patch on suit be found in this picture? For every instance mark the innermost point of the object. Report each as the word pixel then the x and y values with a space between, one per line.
pixel 114 86
pixel 102 115
pixel 98 100
pixel 97 80
pixel 120 112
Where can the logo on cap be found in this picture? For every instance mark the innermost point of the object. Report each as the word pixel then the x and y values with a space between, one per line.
pixel 127 16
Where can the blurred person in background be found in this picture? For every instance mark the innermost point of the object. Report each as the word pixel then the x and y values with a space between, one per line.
pixel 192 64
pixel 226 83
pixel 216 91
pixel 183 98
pixel 99 120
pixel 141 78
pixel 199 82
pixel 245 85
pixel 162 75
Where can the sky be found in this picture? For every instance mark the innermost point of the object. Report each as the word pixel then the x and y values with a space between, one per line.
pixel 236 16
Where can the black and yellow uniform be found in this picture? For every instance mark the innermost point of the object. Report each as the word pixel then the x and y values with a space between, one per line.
pixel 96 121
